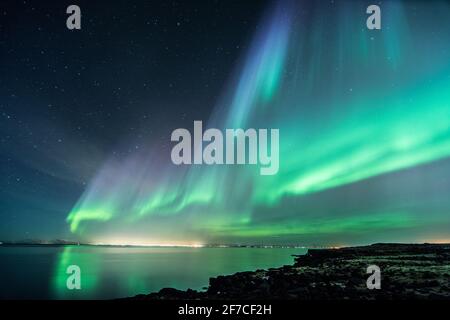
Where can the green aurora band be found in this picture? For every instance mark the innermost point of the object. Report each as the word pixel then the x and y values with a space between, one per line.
pixel 364 120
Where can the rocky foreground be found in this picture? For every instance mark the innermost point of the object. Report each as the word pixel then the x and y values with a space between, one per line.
pixel 408 271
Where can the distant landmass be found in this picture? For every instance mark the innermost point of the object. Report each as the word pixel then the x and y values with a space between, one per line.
pixel 61 242
pixel 39 242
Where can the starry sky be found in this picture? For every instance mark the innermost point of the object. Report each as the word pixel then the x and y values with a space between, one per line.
pixel 86 118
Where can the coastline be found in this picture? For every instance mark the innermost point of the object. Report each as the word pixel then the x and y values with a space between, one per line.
pixel 408 271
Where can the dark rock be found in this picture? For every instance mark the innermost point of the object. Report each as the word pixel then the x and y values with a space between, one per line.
pixel 408 271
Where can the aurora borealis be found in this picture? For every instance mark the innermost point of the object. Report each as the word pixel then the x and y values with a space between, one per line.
pixel 363 117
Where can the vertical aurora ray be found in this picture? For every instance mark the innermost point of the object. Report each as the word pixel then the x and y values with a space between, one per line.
pixel 352 105
pixel 260 78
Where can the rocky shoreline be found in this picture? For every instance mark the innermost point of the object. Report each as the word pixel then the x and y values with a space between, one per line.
pixel 408 271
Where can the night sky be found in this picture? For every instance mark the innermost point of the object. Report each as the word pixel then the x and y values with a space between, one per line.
pixel 86 117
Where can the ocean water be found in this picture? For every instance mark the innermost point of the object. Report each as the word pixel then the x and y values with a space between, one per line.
pixel 116 272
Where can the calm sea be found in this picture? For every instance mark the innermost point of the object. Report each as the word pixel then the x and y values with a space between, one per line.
pixel 115 272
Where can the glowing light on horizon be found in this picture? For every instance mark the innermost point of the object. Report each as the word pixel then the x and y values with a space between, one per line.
pixel 150 244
